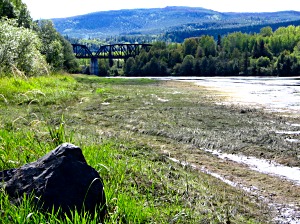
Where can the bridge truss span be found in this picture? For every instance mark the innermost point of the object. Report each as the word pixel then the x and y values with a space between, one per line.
pixel 82 51
pixel 114 51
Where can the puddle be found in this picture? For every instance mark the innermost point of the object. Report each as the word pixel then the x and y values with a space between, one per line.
pixel 292 140
pixel 263 166
pixel 288 132
pixel 160 99
pixel 251 189
pixel 288 214
pixel 295 125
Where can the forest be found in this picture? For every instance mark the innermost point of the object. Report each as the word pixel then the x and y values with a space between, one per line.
pixel 172 24
pixel 35 48
pixel 266 53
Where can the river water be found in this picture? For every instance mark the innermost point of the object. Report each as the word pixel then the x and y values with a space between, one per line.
pixel 274 94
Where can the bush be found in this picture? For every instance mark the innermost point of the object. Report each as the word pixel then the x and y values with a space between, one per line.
pixel 19 51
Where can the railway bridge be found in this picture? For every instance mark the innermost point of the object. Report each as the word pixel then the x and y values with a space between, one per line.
pixel 113 51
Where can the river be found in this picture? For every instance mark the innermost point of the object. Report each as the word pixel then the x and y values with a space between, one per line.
pixel 276 94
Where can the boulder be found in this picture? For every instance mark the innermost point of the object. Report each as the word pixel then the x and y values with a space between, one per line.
pixel 60 179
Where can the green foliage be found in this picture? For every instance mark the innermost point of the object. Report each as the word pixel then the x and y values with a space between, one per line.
pixel 15 9
pixel 7 9
pixel 208 46
pixel 103 67
pixel 51 45
pixel 190 46
pixel 186 68
pixel 43 90
pixel 287 64
pixel 58 134
pixel 22 44
pixel 129 66
pixel 260 49
pixel 175 57
pixel 270 53
pixel 57 50
pixel 19 51
pixel 266 31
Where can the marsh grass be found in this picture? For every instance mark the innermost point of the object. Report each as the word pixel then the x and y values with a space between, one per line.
pixel 123 141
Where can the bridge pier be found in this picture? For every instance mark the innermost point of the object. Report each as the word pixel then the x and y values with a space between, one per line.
pixel 94 68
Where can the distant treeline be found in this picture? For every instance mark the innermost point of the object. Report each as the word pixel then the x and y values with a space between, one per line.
pixel 268 53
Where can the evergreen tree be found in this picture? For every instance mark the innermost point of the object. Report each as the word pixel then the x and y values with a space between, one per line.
pixel 197 67
pixel 219 42
pixel 246 63
pixel 187 66
pixel 129 66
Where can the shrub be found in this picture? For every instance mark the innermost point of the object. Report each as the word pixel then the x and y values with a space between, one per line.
pixel 19 51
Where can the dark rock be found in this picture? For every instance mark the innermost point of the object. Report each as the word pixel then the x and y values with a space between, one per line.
pixel 60 179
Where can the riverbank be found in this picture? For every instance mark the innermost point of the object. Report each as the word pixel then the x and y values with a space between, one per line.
pixel 150 140
pixel 203 119
pixel 278 97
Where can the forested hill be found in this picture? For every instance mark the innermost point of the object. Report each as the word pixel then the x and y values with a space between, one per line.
pixel 178 35
pixel 169 20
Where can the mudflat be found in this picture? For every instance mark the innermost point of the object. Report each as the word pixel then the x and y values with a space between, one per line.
pixel 194 125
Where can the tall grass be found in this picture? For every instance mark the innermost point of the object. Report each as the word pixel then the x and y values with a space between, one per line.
pixel 141 185
pixel 42 90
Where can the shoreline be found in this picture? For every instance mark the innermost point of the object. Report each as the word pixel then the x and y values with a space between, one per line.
pixel 286 210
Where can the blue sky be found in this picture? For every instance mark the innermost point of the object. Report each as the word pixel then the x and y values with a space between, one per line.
pixel 45 9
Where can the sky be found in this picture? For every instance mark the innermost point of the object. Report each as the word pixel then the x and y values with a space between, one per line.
pixel 46 9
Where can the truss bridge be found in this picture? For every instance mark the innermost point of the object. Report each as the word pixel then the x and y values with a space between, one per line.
pixel 113 51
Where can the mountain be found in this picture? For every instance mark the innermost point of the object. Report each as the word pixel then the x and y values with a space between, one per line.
pixel 160 21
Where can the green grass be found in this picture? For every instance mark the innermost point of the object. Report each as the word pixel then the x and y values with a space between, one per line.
pixel 141 186
pixel 114 81
pixel 121 127
pixel 41 90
